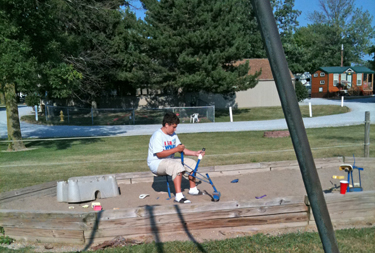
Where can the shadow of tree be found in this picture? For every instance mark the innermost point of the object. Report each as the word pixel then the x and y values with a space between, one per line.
pixel 94 229
pixel 155 229
pixel 61 144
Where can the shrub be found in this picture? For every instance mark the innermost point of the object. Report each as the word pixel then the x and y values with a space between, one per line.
pixel 301 91
pixel 32 100
pixel 354 91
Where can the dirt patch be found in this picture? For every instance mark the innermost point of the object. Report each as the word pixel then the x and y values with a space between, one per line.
pixel 276 134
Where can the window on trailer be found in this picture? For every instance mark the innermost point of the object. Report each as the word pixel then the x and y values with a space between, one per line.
pixel 359 79
pixel 335 79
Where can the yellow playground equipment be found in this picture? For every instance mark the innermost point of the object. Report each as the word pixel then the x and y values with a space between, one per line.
pixel 353 187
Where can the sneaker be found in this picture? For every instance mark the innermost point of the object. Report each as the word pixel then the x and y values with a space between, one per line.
pixel 197 194
pixel 183 201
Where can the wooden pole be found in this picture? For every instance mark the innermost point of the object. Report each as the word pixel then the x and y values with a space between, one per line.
pixel 367 135
pixel 230 114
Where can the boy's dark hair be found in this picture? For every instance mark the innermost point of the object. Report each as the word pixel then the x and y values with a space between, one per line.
pixel 170 118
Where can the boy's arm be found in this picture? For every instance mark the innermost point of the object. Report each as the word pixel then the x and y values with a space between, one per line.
pixel 193 153
pixel 169 152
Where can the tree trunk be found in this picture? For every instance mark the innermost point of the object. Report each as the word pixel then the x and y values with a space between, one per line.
pixel 13 121
pixel 2 99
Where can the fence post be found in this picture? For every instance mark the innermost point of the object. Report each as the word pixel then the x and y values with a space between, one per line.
pixel 230 114
pixel 342 101
pixel 92 116
pixel 310 109
pixel 367 134
pixel 214 113
pixel 36 112
pixel 68 115
pixel 133 117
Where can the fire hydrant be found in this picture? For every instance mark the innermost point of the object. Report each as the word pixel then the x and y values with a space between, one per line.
pixel 61 116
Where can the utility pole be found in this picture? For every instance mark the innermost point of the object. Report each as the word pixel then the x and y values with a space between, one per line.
pixel 342 55
pixel 288 98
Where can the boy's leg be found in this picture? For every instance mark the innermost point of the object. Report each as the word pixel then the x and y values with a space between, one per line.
pixel 174 168
pixel 190 166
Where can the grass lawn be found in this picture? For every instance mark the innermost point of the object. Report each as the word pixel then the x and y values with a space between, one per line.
pixel 349 240
pixel 60 159
pixel 154 117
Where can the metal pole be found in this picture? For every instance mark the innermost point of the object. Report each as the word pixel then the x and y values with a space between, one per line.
pixel 367 134
pixel 280 71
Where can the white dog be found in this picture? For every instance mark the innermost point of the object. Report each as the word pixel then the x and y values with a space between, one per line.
pixel 194 117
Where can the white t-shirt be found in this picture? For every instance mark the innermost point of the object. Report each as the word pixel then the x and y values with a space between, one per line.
pixel 159 142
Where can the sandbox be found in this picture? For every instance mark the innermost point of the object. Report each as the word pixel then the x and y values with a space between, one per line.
pixel 33 213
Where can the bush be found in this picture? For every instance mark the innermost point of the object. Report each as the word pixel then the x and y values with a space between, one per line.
pixel 354 91
pixel 301 91
pixel 32 100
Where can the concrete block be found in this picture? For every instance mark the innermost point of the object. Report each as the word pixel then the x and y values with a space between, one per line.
pixel 79 189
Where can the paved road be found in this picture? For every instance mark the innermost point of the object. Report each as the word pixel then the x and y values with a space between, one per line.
pixel 354 117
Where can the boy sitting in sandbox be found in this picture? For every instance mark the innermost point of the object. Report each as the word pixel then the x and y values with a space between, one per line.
pixel 164 143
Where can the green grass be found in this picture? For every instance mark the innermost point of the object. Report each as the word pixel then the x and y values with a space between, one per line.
pixel 60 159
pixel 268 113
pixel 349 240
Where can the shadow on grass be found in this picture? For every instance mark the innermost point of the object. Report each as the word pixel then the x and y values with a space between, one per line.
pixel 61 144
pixel 155 229
pixel 225 112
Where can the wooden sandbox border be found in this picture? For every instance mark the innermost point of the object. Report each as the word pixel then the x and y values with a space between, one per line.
pixel 185 222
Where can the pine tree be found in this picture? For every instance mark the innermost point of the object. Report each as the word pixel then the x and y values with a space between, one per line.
pixel 192 46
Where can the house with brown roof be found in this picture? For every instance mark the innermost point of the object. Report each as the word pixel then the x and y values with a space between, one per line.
pixel 264 94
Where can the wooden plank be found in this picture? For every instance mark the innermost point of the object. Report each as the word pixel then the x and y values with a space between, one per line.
pixel 350 160
pixel 46 220
pixel 44 192
pixel 123 181
pixel 236 172
pixel 204 224
pixel 202 235
pixel 46 224
pixel 196 208
pixel 7 213
pixel 333 198
pixel 28 190
pixel 294 163
pixel 237 167
pixel 358 205
pixel 219 214
pixel 347 214
pixel 34 232
pixel 337 197
pixel 29 238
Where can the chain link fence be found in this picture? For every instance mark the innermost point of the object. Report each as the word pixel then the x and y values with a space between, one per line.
pixel 63 115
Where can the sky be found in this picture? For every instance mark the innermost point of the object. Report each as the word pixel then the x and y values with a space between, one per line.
pixel 306 6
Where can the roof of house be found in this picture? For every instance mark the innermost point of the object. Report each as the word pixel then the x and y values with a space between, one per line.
pixel 357 69
pixel 260 64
